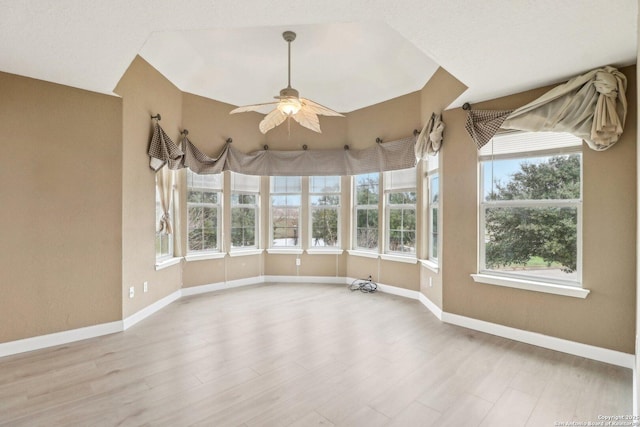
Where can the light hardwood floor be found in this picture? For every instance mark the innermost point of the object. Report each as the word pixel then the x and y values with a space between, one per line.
pixel 304 355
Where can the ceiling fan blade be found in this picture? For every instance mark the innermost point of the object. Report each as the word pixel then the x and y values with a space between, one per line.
pixel 271 120
pixel 308 119
pixel 319 109
pixel 254 107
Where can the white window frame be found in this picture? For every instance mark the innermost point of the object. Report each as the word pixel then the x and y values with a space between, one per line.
pixel 217 206
pixel 246 191
pixel 272 193
pixel 522 281
pixel 388 206
pixel 357 207
pixel 336 208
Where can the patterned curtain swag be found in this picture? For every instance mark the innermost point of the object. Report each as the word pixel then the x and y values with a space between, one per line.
pixel 591 106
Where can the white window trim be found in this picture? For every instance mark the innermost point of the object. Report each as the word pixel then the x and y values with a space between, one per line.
pixel 203 255
pixel 431 265
pixel 409 259
pixel 235 252
pixel 560 287
pixel 364 253
pixel 167 262
pixel 328 251
pixel 285 251
pixel 531 285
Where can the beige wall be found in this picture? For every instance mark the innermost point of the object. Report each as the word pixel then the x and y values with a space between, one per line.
pixel 606 316
pixel 438 93
pixel 60 183
pixel 144 92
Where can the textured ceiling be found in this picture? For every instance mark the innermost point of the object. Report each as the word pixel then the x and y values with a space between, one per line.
pixel 349 53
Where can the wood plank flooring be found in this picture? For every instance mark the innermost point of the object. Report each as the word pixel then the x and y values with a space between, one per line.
pixel 304 355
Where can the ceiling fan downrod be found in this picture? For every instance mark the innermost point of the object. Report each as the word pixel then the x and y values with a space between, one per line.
pixel 289 36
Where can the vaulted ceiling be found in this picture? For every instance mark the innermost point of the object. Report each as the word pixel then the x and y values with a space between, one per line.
pixel 348 54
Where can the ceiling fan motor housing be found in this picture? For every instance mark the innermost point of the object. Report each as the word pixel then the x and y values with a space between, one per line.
pixel 289 36
pixel 289 92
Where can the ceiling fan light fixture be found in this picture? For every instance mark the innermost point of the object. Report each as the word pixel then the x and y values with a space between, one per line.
pixel 289 106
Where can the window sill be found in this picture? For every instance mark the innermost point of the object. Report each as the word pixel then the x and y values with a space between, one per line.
pixel 430 265
pixel 529 285
pixel 284 251
pixel 328 251
pixel 245 252
pixel 168 262
pixel 364 254
pixel 399 258
pixel 204 256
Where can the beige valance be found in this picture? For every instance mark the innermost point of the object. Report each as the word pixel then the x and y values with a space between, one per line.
pixel 592 106
pixel 382 157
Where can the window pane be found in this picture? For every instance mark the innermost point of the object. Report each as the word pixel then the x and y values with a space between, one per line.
pixel 324 226
pixel 243 220
pixel 285 226
pixel 325 200
pixel 195 217
pixel 433 249
pixel 367 189
pixel 203 198
pixel 537 178
pixel 540 241
pixel 434 187
pixel 209 197
pixel 248 199
pixel 195 240
pixel 194 196
pixel 367 238
pixel 409 219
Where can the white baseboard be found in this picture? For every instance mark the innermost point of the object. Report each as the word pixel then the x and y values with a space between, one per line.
pixel 388 289
pixel 583 350
pixel 203 289
pixel 59 338
pixel 437 311
pixel 150 309
pixel 394 290
pixel 304 279
pixel 571 347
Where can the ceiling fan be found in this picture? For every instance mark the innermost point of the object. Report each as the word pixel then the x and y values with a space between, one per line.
pixel 290 105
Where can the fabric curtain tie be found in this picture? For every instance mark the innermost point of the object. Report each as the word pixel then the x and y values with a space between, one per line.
pixel 606 84
pixel 607 126
pixel 165 224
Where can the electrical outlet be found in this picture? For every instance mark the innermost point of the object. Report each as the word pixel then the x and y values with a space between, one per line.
pixel 132 292
pixel 431 282
pixel 145 286
pixel 298 262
